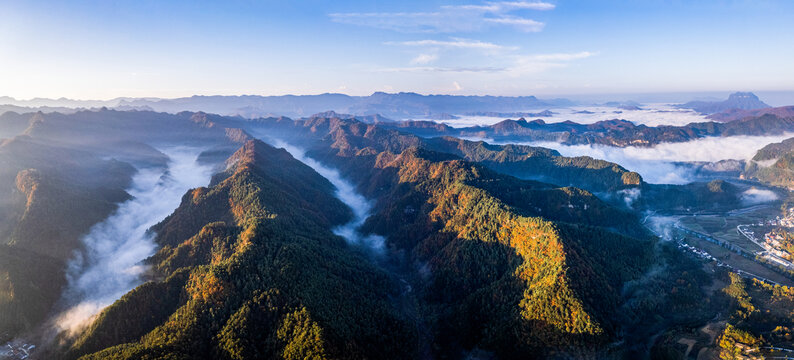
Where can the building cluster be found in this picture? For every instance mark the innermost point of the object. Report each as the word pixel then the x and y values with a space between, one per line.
pixel 698 252
pixel 773 243
pixel 788 220
pixel 16 351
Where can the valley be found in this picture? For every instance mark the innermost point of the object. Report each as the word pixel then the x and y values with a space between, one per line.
pixel 430 180
pixel 561 245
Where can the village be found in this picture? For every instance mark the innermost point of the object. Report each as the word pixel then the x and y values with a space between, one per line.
pixel 775 243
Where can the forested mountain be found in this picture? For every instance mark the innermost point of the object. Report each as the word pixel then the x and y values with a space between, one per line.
pixel 49 197
pixel 249 266
pixel 615 132
pixel 250 269
pixel 494 264
pixel 773 164
pixel 529 162
pixel 26 296
pixel 526 162
pixel 490 250
pixel 61 174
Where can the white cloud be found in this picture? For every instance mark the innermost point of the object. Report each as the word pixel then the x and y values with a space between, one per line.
pixel 456 86
pixel 110 264
pixel 531 64
pixel 422 59
pixel 456 43
pixel 657 164
pixel 753 196
pixel 417 69
pixel 516 65
pixel 502 6
pixel 526 25
pixel 450 18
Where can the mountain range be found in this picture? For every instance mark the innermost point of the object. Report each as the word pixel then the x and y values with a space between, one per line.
pixel 392 105
pixel 616 132
pixel 466 249
pixel 249 265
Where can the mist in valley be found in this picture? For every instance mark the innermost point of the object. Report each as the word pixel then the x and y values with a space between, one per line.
pixel 657 164
pixel 110 264
pixel 346 192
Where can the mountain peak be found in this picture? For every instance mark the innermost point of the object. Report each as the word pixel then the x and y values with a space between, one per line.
pixel 742 96
pixel 737 100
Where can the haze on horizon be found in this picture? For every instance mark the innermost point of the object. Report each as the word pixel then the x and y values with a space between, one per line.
pixel 103 50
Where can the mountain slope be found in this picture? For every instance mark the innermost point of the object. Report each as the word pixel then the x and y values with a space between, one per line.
pixel 504 278
pixel 12 124
pixel 67 173
pixel 49 197
pixel 250 268
pixel 526 162
pixel 773 164
pixel 511 266
pixel 542 164
pixel 26 296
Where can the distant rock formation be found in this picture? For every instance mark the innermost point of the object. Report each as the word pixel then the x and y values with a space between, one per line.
pixel 737 100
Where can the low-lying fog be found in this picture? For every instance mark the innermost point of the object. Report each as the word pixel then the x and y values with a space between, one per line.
pixel 656 164
pixel 111 265
pixel 347 193
pixel 649 114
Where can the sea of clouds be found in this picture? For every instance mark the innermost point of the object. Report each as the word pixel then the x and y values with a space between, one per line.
pixel 657 164
pixel 650 115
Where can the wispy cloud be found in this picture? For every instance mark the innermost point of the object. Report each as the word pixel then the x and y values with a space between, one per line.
pixel 418 69
pixel 450 18
pixel 514 64
pixel 504 6
pixel 532 64
pixel 455 43
pixel 527 25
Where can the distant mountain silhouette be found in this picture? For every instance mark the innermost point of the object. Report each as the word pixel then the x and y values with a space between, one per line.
pixel 737 100
pixel 738 114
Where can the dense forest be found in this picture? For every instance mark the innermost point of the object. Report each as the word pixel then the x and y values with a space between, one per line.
pixel 773 164
pixel 250 269
pixel 60 175
pixel 490 250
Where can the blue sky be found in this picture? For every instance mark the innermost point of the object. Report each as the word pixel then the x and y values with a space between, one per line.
pixel 106 49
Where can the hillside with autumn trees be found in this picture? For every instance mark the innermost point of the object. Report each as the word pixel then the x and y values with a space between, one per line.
pixel 61 174
pixel 489 250
pixel 249 268
pixel 518 267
